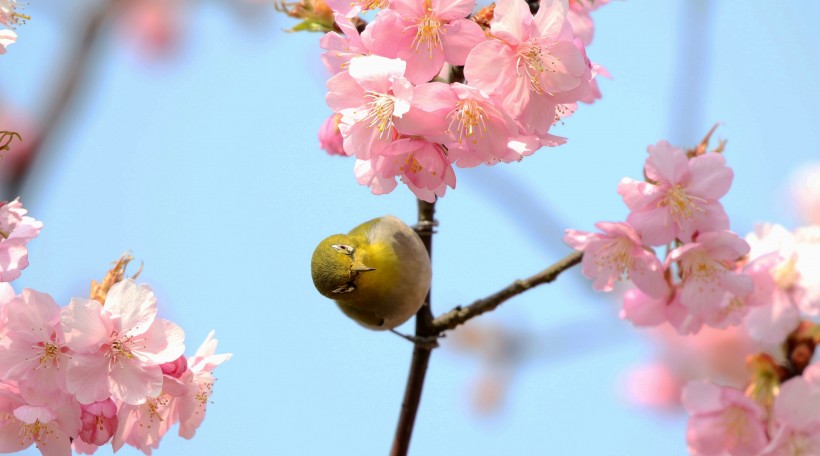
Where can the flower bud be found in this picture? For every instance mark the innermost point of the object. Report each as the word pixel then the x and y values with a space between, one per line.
pixel 175 368
pixel 99 422
pixel 330 138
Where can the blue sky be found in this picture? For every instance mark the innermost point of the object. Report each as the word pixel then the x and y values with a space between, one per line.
pixel 206 166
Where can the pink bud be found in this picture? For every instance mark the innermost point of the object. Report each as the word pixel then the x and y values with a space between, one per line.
pixel 175 368
pixel 330 138
pixel 99 422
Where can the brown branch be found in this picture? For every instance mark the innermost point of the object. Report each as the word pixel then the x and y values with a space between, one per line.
pixel 421 352
pixel 460 315
pixel 71 79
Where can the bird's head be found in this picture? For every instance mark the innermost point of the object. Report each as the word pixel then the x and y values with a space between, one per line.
pixel 336 263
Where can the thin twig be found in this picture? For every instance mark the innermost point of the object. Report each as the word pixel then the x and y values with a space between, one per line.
pixel 421 352
pixel 459 315
pixel 71 79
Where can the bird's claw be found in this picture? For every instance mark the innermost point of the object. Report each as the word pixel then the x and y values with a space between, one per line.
pixel 428 342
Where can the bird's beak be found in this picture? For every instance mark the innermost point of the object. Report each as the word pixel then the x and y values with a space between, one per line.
pixel 358 266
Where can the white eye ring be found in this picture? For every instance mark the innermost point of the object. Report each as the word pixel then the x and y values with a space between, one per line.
pixel 346 249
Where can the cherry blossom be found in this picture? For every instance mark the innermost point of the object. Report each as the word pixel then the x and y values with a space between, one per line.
pixel 16 230
pixel 532 64
pixel 143 426
pixel 425 34
pixel 9 14
pixel 798 425
pixel 618 251
pixel 372 96
pixel 193 405
pixel 342 48
pixel 469 123
pixel 708 274
pixel 681 198
pixel 36 352
pixel 120 347
pixel 49 425
pixel 421 165
pixel 722 421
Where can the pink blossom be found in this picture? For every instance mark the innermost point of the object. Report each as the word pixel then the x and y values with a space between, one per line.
pixel 372 97
pixel 7 38
pixel 682 197
pixel 120 347
pixel 341 48
pixel 425 34
pixel 192 406
pixel 16 230
pixel 421 165
pixel 618 251
pixel 786 277
pixel 330 138
pixel 722 421
pixel 99 422
pixel 797 422
pixel 9 16
pixel 581 20
pixel 707 267
pixel 469 123
pixel 775 314
pixel 36 352
pixel 182 400
pixel 143 426
pixel 531 64
pixel 49 425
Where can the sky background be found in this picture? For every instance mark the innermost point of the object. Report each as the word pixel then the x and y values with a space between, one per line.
pixel 203 161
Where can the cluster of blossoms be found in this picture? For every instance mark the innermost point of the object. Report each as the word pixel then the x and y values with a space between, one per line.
pixel 9 17
pixel 98 370
pixel 776 414
pixel 510 76
pixel 768 285
pixel 704 278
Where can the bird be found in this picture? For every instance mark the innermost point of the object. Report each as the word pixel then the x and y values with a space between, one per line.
pixel 378 274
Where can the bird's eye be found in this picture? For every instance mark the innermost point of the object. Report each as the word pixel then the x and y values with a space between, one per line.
pixel 346 288
pixel 346 249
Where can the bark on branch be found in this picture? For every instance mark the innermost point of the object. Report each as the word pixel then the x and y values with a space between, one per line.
pixel 460 315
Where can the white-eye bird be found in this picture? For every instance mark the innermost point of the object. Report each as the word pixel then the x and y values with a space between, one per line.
pixel 378 274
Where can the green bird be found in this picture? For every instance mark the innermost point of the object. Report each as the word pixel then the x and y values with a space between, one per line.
pixel 378 274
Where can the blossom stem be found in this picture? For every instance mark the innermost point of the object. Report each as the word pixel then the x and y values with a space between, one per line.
pixel 421 352
pixel 460 315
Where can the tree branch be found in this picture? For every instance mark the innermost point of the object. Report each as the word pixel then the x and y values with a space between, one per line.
pixel 460 315
pixel 71 79
pixel 421 352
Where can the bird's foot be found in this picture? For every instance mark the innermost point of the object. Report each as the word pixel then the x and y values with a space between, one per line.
pixel 428 342
pixel 425 226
